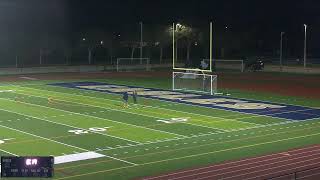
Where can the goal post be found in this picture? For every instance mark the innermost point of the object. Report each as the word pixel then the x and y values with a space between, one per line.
pixel 133 64
pixel 186 53
pixel 228 64
pixel 194 82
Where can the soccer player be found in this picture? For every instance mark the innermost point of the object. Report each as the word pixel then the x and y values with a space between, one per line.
pixel 134 97
pixel 125 99
pixel 50 100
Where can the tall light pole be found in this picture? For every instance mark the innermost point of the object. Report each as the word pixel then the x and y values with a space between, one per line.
pixel 141 42
pixel 305 47
pixel 282 33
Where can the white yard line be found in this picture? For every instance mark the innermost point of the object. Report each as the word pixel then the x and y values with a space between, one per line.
pixel 217 142
pixel 8 152
pixel 43 138
pixel 82 149
pixel 105 119
pixel 194 155
pixel 156 117
pixel 164 109
pixel 69 126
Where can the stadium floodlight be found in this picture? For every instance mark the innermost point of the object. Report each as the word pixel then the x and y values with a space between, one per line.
pixel 179 28
pixel 194 82
pixel 281 40
pixel 305 47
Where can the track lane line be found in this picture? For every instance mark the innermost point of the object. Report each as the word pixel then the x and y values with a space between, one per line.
pixel 227 163
pixel 248 168
pixel 195 155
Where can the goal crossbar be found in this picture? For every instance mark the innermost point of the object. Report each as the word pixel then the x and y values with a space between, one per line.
pixel 194 82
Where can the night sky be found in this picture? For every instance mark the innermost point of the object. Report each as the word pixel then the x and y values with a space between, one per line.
pixel 244 12
pixel 34 14
pixel 25 21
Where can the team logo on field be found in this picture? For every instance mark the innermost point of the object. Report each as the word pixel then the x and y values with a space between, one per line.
pixel 216 102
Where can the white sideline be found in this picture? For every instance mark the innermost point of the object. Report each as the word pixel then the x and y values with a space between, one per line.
pixel 77 157
pixel 6 90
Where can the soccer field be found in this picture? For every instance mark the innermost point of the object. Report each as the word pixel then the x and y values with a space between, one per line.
pixel 85 126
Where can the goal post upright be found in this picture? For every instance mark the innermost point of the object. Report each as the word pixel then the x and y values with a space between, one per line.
pixel 190 78
pixel 210 51
pixel 173 46
pixel 174 53
pixel 211 89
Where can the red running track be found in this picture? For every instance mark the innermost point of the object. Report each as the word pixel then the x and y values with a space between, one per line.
pixel 262 167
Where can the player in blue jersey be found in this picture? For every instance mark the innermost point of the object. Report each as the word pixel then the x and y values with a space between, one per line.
pixel 125 98
pixel 134 97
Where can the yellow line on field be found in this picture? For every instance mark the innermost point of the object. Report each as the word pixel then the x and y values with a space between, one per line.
pixel 35 140
pixel 211 119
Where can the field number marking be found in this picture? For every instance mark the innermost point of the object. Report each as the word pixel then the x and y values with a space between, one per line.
pixel 174 120
pixel 84 131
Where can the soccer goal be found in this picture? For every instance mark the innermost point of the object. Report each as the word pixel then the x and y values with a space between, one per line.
pixel 194 82
pixel 133 64
pixel 227 64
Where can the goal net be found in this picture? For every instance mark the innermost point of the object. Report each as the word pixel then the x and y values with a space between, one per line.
pixel 133 64
pixel 227 64
pixel 194 82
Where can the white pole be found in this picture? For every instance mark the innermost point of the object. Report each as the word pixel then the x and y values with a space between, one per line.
pixel 173 81
pixel 117 65
pixel 141 41
pixel 242 66
pixel 305 47
pixel 210 47
pixel 173 54
pixel 211 85
pixel 281 50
